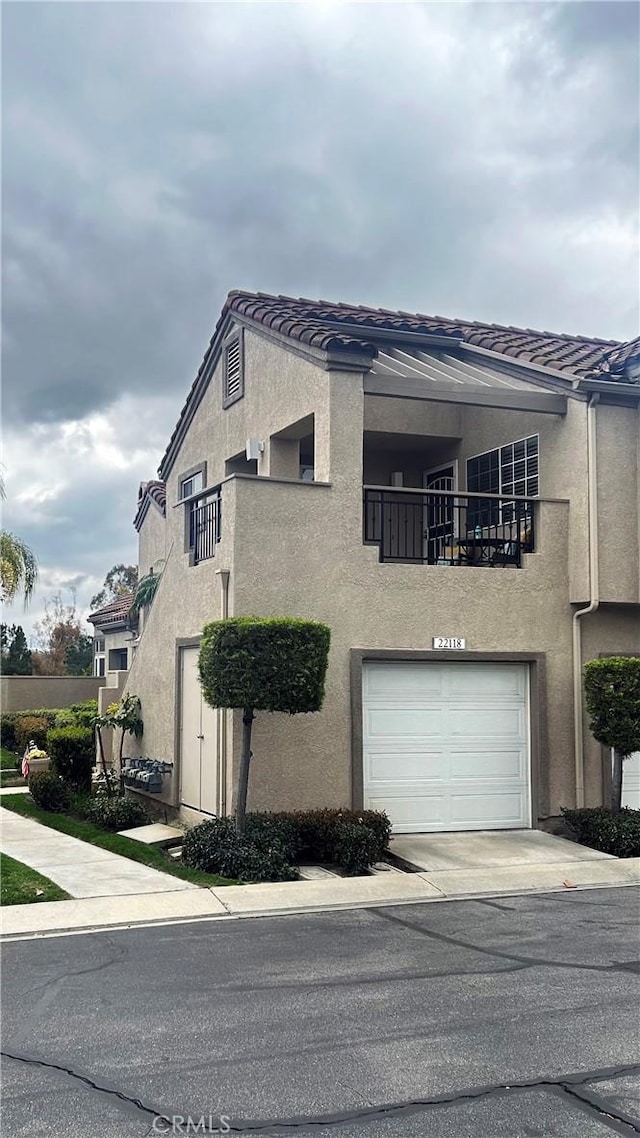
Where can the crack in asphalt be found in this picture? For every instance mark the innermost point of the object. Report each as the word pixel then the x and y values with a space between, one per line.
pixel 571 1084
pixel 119 951
pixel 87 1082
pixel 525 961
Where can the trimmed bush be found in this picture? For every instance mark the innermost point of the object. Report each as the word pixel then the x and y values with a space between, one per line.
pixel 78 715
pixel 72 754
pixel 116 813
pixel 617 834
pixel 355 848
pixel 216 847
pixel 31 727
pixel 49 792
pixel 268 664
pixel 351 839
pixel 314 835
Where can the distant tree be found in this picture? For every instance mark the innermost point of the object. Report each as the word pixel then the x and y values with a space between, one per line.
pixel 16 657
pixel 58 632
pixel 119 580
pixel 612 696
pixel 262 664
pixel 78 657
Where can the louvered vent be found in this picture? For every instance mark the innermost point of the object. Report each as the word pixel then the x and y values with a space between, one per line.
pixel 233 371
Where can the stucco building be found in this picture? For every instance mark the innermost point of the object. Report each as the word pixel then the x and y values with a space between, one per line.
pixel 457 501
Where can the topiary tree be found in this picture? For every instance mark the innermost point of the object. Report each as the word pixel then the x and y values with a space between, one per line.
pixel 262 664
pixel 612 697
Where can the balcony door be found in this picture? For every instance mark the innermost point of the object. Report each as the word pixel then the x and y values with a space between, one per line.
pixel 439 513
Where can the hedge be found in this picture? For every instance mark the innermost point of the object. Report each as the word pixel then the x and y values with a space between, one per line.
pixel 351 839
pixel 617 834
pixel 72 754
pixel 9 721
pixel 111 813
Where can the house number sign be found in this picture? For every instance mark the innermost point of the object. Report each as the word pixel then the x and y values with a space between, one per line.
pixel 448 642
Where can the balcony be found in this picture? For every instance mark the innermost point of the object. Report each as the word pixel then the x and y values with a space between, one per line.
pixel 205 526
pixel 446 527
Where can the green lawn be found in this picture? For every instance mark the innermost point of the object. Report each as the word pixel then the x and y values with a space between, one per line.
pixel 87 832
pixel 9 776
pixel 20 885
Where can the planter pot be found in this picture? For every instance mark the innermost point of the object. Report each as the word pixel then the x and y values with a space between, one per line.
pixel 36 765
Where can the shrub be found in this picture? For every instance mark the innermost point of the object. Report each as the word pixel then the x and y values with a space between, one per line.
pixel 49 792
pixel 314 835
pixel 31 727
pixel 216 847
pixel 115 813
pixel 612 697
pixel 355 848
pixel 78 715
pixel 9 722
pixel 617 834
pixel 72 754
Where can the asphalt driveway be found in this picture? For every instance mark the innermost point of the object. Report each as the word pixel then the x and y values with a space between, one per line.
pixel 513 1017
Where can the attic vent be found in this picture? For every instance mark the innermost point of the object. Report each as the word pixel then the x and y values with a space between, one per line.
pixel 233 371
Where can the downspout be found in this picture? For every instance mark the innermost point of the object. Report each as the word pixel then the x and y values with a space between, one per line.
pixel 223 574
pixel 594 598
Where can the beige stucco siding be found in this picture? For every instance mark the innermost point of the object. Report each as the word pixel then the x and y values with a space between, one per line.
pixel 617 458
pixel 152 541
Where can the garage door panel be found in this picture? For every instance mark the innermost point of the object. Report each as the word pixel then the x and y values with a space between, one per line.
pixel 405 722
pixel 411 813
pixel 479 679
pixel 403 681
pixel 474 809
pixel 446 744
pixel 405 766
pixel 483 765
pixel 484 723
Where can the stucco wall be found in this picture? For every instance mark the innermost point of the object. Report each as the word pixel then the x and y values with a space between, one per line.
pixel 27 693
pixel 152 541
pixel 617 458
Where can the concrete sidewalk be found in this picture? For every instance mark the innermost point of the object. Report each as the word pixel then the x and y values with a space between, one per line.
pixel 78 867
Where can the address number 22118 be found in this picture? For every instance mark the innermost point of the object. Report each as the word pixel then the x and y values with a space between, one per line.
pixel 449 642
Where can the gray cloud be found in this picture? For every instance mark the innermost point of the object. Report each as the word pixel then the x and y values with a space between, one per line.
pixel 478 160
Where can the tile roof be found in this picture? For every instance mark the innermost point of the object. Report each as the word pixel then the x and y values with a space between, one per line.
pixel 117 610
pixel 307 320
pixel 154 490
pixel 317 323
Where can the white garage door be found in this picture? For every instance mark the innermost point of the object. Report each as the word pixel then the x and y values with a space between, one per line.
pixel 446 745
pixel 631 781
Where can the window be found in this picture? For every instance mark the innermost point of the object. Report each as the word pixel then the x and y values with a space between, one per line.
pixel 99 669
pixel 233 369
pixel 98 644
pixel 118 659
pixel 511 469
pixel 191 483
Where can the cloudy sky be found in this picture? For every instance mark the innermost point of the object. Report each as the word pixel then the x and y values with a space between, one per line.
pixel 475 160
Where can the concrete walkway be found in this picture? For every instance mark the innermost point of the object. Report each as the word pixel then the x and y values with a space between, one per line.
pixel 77 867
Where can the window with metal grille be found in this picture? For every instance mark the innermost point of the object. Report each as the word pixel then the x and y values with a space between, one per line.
pixel 511 469
pixel 233 371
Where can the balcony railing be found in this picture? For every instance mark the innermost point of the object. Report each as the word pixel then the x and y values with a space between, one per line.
pixel 205 520
pixel 444 527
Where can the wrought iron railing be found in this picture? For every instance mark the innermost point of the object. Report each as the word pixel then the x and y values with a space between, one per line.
pixel 444 527
pixel 205 526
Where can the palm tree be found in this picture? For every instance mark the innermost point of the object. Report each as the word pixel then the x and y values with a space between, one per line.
pixel 18 565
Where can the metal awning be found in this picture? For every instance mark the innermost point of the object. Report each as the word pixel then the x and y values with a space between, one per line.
pixel 447 378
